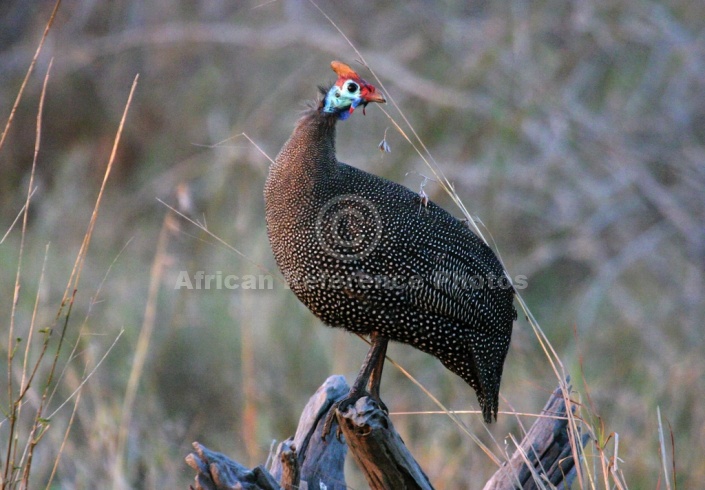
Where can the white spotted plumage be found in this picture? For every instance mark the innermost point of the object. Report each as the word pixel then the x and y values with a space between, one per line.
pixel 467 328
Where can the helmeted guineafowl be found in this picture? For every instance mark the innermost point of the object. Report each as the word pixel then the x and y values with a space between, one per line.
pixel 371 256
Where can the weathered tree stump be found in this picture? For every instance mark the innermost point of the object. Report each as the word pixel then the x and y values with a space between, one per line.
pixel 299 462
pixel 306 461
pixel 319 462
pixel 548 449
pixel 216 471
pixel 377 448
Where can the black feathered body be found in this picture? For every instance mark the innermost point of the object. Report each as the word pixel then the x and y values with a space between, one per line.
pixel 366 254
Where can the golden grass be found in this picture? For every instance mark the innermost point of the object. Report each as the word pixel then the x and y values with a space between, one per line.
pixel 22 441
pixel 249 355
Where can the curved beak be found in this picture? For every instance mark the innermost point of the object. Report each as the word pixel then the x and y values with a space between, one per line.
pixel 368 94
pixel 374 97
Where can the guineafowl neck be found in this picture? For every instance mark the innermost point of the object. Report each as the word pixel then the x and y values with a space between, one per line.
pixel 310 151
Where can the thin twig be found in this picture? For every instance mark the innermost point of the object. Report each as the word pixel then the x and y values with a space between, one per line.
pixel 29 72
pixel 77 394
pixel 11 343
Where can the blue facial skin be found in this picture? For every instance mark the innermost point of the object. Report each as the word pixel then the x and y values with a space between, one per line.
pixel 342 102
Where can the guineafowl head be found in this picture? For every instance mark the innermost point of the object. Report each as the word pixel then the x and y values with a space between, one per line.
pixel 349 92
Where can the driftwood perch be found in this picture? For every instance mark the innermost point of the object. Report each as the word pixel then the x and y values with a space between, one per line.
pixel 548 449
pixel 302 460
pixel 306 461
pixel 317 461
pixel 377 448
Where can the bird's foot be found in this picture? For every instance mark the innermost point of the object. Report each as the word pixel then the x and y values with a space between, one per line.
pixel 342 405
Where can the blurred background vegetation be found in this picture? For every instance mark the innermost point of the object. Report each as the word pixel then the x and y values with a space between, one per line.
pixel 574 130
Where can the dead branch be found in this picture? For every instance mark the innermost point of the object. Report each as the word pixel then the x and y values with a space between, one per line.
pixel 307 461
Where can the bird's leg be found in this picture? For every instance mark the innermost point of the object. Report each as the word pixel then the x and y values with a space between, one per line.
pixel 370 375
pixel 376 374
